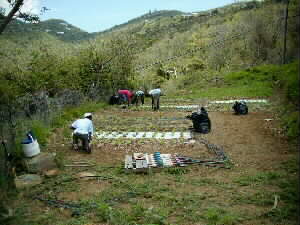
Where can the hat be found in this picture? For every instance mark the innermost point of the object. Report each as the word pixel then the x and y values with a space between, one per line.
pixel 87 115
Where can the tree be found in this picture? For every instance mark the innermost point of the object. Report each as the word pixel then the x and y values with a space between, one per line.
pixel 16 12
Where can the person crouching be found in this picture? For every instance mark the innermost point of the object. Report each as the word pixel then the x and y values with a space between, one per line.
pixel 201 121
pixel 83 130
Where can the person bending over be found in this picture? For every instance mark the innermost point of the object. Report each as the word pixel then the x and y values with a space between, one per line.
pixel 155 95
pixel 139 97
pixel 125 95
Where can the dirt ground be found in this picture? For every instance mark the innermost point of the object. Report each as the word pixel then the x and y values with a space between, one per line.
pixel 252 143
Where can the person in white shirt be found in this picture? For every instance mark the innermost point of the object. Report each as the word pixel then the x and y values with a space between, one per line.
pixel 155 95
pixel 83 129
pixel 139 96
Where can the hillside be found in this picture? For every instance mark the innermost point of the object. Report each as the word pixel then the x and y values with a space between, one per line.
pixel 55 27
pixel 155 25
pixel 63 30
pixel 150 16
pixel 151 26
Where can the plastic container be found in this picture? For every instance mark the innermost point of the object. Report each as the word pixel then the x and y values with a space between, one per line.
pixel 30 146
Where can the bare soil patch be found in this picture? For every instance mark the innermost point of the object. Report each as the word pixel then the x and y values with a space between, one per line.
pixel 249 141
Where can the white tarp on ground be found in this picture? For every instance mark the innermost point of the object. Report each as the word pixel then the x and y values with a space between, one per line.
pixel 245 100
pixel 138 135
pixel 175 106
pixel 211 102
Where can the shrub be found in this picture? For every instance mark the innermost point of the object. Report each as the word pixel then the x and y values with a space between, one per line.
pixel 71 113
pixel 289 80
pixel 291 124
pixel 41 131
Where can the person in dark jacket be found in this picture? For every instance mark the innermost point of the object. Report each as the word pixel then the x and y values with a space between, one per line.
pixel 201 121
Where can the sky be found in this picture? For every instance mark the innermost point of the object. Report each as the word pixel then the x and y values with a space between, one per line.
pixel 99 15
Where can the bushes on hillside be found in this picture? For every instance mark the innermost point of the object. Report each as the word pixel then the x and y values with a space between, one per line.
pixel 52 67
pixel 289 81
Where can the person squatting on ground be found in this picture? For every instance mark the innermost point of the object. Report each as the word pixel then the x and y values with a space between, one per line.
pixel 83 131
pixel 155 95
pixel 139 96
pixel 125 96
pixel 201 121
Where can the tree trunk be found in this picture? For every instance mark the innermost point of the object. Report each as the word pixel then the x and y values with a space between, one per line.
pixel 9 17
pixel 285 31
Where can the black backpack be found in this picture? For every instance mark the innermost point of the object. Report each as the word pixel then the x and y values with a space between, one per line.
pixel 134 99
pixel 114 100
pixel 240 108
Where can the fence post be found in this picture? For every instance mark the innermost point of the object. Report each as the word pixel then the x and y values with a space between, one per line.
pixel 285 31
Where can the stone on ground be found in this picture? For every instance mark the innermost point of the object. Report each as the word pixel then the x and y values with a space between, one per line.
pixel 51 173
pixel 40 163
pixel 85 175
pixel 27 180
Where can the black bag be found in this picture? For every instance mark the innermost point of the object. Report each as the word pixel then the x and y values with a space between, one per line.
pixel 134 99
pixel 240 108
pixel 201 122
pixel 114 100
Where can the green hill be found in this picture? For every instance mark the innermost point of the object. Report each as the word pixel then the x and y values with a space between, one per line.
pixel 151 26
pixel 55 27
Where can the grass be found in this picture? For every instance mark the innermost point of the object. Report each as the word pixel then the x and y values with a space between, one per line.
pixel 72 113
pixel 287 183
pixel 261 198
pixel 41 131
pixel 175 196
pixel 259 178
pixel 257 82
pixel 253 90
pixel 218 216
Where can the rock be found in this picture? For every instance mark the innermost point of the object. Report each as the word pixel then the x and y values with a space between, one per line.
pixel 40 163
pixel 27 180
pixel 85 175
pixel 268 120
pixel 192 141
pixel 51 173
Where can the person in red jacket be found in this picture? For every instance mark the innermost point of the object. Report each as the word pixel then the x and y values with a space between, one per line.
pixel 126 95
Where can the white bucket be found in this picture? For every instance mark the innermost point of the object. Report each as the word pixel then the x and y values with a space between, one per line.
pixel 31 149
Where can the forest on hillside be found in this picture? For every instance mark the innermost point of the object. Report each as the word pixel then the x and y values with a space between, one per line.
pixel 42 75
pixel 223 42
